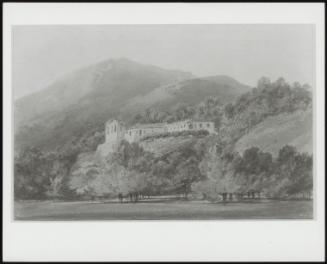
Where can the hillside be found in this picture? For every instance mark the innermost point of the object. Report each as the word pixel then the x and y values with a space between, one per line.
pixel 267 100
pixel 276 131
pixel 79 104
pixel 84 100
pixel 163 146
pixel 112 80
pixel 189 92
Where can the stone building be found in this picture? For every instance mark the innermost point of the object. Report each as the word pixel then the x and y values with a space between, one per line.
pixel 117 131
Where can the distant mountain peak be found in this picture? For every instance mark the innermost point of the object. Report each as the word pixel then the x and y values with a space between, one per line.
pixel 112 80
pixel 127 63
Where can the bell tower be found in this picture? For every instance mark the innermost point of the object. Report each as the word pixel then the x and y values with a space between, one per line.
pixel 114 131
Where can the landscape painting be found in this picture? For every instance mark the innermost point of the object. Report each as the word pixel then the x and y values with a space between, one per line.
pixel 163 122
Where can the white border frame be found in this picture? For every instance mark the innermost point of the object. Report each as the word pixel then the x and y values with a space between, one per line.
pixel 300 240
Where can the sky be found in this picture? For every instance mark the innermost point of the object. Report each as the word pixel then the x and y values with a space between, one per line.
pixel 42 54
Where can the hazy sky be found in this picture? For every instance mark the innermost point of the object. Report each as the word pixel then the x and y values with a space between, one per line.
pixel 41 54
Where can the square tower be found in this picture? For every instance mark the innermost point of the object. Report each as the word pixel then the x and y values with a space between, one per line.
pixel 114 131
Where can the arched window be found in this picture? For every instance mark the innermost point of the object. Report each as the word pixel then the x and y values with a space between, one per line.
pixel 208 125
pixel 200 125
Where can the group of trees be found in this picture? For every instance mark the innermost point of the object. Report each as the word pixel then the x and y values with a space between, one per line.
pixel 131 170
pixel 256 173
pixel 196 169
pixel 271 98
pixel 41 174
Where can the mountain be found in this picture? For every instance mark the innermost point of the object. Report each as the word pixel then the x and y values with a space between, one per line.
pixel 112 80
pixel 82 101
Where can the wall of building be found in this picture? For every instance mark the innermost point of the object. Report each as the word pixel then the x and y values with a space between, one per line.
pixel 133 135
pixel 116 131
pixel 208 126
pixel 136 134
pixel 178 126
pixel 191 126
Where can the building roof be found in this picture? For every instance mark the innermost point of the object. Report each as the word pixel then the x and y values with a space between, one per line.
pixel 196 120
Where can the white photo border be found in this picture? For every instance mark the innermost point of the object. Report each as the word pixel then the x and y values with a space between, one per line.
pixel 227 240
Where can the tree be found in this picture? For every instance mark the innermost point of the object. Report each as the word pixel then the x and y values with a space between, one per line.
pixel 297 169
pixel 280 82
pixel 214 183
pixel 307 87
pixel 206 189
pixel 229 111
pixel 31 174
pixel 263 82
pixel 302 178
pixel 187 173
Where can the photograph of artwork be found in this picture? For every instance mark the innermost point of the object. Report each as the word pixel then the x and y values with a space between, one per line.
pixel 163 122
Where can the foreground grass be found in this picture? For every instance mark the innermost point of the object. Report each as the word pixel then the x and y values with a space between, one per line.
pixel 162 210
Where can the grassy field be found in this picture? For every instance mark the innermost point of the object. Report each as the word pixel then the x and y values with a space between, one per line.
pixel 162 210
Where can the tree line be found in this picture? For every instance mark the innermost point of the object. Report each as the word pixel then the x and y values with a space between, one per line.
pixel 199 169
